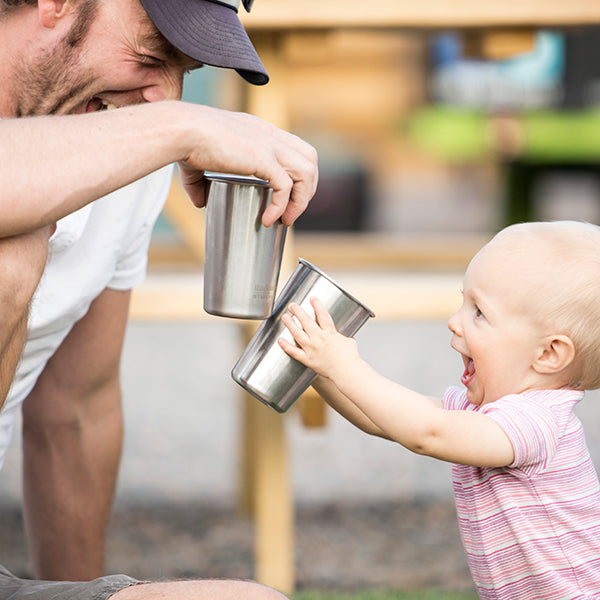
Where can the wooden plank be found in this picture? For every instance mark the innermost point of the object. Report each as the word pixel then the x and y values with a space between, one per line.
pixel 166 296
pixel 312 409
pixel 498 44
pixel 169 296
pixel 357 251
pixel 286 15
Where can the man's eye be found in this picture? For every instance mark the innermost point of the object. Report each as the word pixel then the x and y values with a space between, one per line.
pixel 150 61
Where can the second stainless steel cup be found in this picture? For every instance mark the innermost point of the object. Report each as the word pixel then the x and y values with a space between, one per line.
pixel 264 369
pixel 242 257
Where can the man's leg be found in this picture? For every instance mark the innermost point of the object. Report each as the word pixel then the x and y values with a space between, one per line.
pixel 222 589
pixel 22 262
pixel 121 587
pixel 72 433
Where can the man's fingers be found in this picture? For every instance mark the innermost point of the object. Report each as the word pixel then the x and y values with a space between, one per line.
pixel 294 179
pixel 291 195
pixel 281 185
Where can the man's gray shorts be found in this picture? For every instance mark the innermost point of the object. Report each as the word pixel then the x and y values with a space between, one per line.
pixel 13 588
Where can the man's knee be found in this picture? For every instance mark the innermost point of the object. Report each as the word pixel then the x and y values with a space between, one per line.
pixel 22 262
pixel 207 589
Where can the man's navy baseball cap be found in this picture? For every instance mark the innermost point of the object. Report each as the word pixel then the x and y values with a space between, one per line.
pixel 210 32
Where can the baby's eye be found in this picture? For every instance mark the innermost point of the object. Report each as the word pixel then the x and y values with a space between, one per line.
pixel 478 313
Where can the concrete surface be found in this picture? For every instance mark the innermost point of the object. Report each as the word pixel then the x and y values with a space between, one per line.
pixel 183 420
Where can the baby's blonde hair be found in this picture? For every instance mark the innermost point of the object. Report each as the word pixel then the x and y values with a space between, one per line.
pixel 568 298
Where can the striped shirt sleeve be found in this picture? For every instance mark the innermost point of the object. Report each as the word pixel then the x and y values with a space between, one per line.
pixel 532 427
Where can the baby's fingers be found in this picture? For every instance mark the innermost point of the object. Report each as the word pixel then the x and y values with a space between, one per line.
pixel 306 321
pixel 290 349
pixel 292 326
pixel 322 315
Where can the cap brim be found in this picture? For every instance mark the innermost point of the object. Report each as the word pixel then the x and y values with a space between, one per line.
pixel 208 32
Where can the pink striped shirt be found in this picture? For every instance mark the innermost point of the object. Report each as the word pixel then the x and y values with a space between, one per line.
pixel 532 530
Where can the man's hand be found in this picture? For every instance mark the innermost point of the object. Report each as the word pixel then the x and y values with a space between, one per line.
pixel 242 144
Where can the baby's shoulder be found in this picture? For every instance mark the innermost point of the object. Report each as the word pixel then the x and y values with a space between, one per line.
pixel 455 398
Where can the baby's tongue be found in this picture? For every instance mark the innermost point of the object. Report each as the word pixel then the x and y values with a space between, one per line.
pixel 469 372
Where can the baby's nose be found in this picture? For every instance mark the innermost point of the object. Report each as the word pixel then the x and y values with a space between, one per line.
pixel 454 324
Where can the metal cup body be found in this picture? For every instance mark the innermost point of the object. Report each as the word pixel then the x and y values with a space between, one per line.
pixel 264 369
pixel 242 257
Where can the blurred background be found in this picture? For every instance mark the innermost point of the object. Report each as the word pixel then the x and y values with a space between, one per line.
pixel 429 142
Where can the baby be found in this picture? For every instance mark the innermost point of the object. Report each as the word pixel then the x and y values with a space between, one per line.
pixel 528 331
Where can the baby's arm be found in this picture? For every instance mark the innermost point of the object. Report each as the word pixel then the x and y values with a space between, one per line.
pixel 392 411
pixel 345 407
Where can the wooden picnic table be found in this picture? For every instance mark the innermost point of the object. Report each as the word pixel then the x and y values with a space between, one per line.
pixel 288 16
pixel 266 486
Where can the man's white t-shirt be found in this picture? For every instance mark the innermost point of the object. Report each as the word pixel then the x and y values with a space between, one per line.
pixel 103 245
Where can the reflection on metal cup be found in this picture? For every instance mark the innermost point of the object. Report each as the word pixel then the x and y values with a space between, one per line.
pixel 264 369
pixel 242 257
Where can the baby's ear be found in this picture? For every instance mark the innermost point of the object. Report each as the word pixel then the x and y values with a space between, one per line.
pixel 556 354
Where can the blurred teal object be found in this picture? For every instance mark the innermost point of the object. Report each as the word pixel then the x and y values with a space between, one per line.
pixel 530 80
pixel 200 86
pixel 543 66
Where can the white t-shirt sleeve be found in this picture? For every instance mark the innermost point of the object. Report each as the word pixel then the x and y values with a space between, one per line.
pixel 133 261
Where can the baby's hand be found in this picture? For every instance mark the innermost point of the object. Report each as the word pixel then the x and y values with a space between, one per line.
pixel 320 346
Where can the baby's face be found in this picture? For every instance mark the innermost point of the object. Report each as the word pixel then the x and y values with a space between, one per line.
pixel 497 330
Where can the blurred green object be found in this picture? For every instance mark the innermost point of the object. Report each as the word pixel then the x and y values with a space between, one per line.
pixel 385 595
pixel 562 137
pixel 460 135
pixel 454 135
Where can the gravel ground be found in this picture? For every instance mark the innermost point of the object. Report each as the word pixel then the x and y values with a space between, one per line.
pixel 338 547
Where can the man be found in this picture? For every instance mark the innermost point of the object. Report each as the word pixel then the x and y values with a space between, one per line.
pixel 65 159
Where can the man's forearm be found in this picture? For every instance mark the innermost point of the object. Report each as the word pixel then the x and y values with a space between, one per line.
pixel 56 165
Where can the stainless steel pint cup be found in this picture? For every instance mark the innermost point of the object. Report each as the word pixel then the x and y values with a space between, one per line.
pixel 264 369
pixel 242 257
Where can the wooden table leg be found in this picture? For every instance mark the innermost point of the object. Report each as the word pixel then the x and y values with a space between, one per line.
pixel 267 493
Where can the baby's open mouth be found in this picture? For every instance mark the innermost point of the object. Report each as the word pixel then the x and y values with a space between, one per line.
pixel 469 372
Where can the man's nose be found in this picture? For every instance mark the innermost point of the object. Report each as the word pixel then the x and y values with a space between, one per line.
pixel 168 87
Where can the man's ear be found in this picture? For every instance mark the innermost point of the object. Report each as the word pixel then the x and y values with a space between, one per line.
pixel 556 354
pixel 51 11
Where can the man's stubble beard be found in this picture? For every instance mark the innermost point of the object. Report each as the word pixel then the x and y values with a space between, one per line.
pixel 53 81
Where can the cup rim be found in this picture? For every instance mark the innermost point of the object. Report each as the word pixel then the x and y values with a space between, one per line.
pixel 334 282
pixel 231 178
